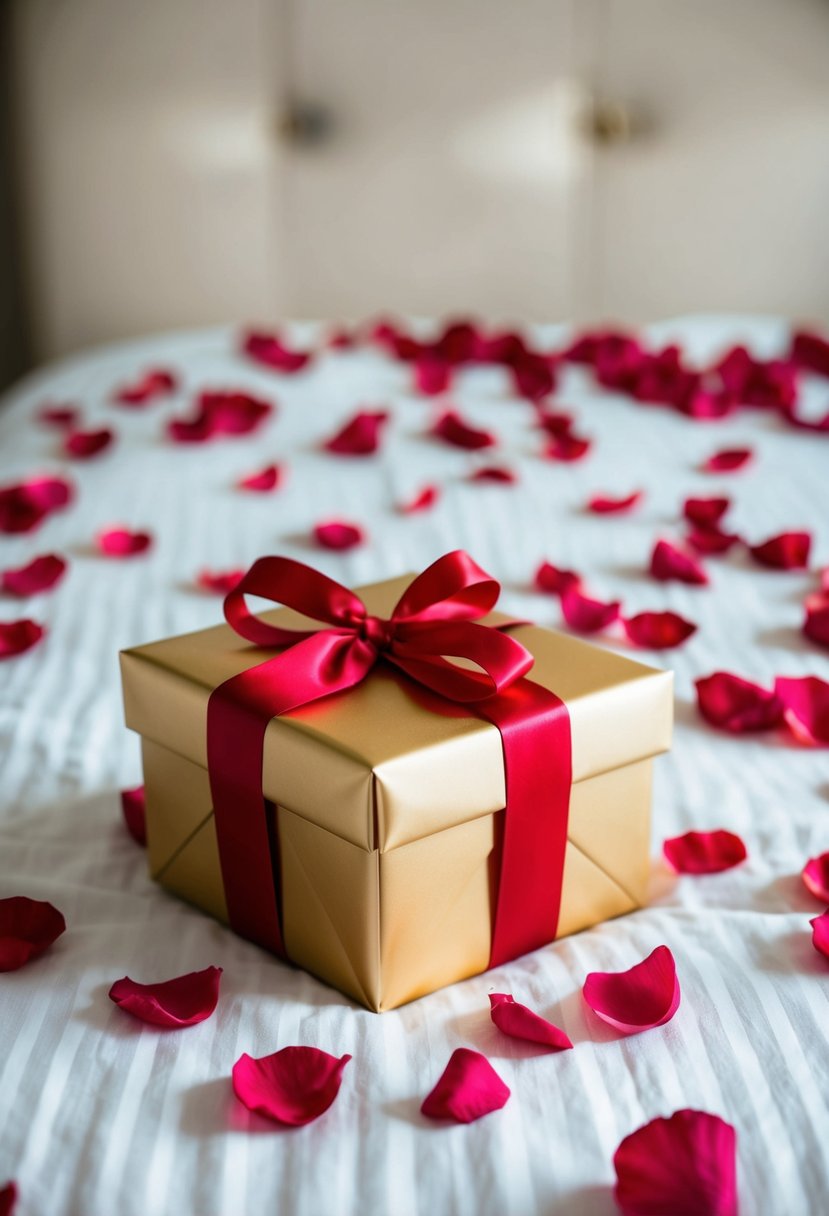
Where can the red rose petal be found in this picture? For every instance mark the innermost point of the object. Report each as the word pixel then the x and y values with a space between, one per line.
pixel 495 473
pixel 360 436
pixel 706 512
pixel 736 705
pixel 820 932
pixel 639 999
pixel 39 575
pixel 805 704
pixel 432 374
pixel 85 444
pixel 427 498
pixel 555 422
pixel 704 852
pixel 566 448
pixel 336 534
pixel 219 582
pixel 16 637
pixel 27 928
pixel 603 504
pixel 658 630
pixel 555 581
pixel 451 428
pixel 157 382
pixel 727 461
pixel 788 551
pixel 685 1165
pixel 587 615
pixel 668 562
pixel 172 1004
pixel 519 1022
pixel 816 621
pixel 62 417
pixel 8 1198
pixel 25 505
pixel 133 808
pixel 468 1089
pixel 533 377
pixel 264 481
pixel 810 351
pixel 120 542
pixel 341 339
pixel 220 413
pixel 293 1086
pixel 816 877
pixel 711 541
pixel 270 350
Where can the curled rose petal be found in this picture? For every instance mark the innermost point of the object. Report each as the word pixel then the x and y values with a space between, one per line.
pixel 587 615
pixel 639 999
pixel 172 1004
pixel 706 512
pixel 685 1165
pixel 84 444
pixel 360 436
pixel 263 482
pixel 219 582
pixel 816 621
pixel 704 852
pixel 816 877
pixel 157 382
pixel 736 705
pixel 40 574
pixel 336 534
pixel 555 581
pixel 422 501
pixel 27 928
pixel 658 630
pixel 8 1198
pixel 120 542
pixel 220 413
pixel 272 351
pixel 16 637
pixel 555 422
pixel 134 810
pixel 820 932
pixel 603 504
pixel 432 374
pixel 293 1086
pixel 495 473
pixel 519 1022
pixel 805 704
pixel 727 461
pixel 451 428
pixel 711 541
pixel 27 504
pixel 468 1089
pixel 566 448
pixel 670 563
pixel 788 551
pixel 62 417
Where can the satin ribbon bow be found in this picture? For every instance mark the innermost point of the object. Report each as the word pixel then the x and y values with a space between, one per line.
pixel 434 620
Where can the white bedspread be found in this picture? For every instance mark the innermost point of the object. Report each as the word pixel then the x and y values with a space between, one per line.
pixel 99 1115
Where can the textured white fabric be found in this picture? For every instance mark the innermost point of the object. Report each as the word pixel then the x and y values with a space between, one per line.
pixel 99 1115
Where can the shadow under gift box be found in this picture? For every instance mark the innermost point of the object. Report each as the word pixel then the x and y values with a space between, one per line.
pixel 386 799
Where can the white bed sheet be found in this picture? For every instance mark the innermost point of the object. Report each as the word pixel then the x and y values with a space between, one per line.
pixel 99 1115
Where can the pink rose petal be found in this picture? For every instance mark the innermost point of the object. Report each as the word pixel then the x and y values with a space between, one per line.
pixel 272 351
pixel 16 637
pixel 587 615
pixel 336 534
pixel 805 704
pixel 685 1165
pixel 219 582
pixel 711 541
pixel 133 808
pixel 451 428
pixel 816 877
pixel 172 1004
pixel 736 705
pixel 820 932
pixel 704 852
pixel 38 575
pixel 360 436
pixel 432 374
pixel 639 999
pixel 8 1198
pixel 816 621
pixel 670 563
pixel 468 1089
pixel 85 444
pixel 706 512
pixel 263 482
pixel 727 461
pixel 121 542
pixel 788 551
pixel 555 581
pixel 519 1022
pixel 566 448
pixel 293 1086
pixel 422 501
pixel 495 473
pixel 27 928
pixel 24 506
pixel 658 630
pixel 603 504
pixel 61 417
pixel 155 383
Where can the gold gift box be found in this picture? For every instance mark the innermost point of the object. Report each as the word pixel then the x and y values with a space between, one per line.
pixel 386 798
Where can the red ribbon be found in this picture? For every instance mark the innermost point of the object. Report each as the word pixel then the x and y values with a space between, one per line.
pixel 434 620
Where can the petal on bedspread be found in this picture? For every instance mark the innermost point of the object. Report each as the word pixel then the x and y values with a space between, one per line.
pixel 27 928
pixel 293 1086
pixel 520 1022
pixel 639 999
pixel 685 1165
pixel 40 574
pixel 171 1004
pixel 704 852
pixel 16 637
pixel 133 808
pixel 468 1089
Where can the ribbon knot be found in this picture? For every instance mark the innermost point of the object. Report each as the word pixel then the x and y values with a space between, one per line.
pixel 379 632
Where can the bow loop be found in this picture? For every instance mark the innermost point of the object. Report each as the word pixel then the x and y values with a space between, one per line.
pixel 297 586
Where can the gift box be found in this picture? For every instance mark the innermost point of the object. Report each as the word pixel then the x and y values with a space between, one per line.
pixel 386 821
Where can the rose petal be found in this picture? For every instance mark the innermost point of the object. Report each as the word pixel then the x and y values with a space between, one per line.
pixel 711 541
pixel 25 505
pixel 468 1089
pixel 727 461
pixel 805 704
pixel 39 575
pixel 451 428
pixel 62 417
pixel 220 413
pixel 336 534
pixel 133 808
pixel 27 928
pixel 603 504
pixel 264 481
pixel 816 621
pixel 736 705
pixel 684 1165
pixel 533 377
pixel 788 551
pixel 172 1004
pixel 341 339
pixel 810 351
pixel 555 581
pixel 566 448
pixel 293 1086
pixel 8 1198
pixel 16 637
pixel 639 999
pixel 495 473
pixel 555 422
pixel 360 436
pixel 432 374
pixel 427 498
pixel 157 382
pixel 658 630
pixel 706 512
pixel 704 852
pixel 120 542
pixel 270 350
pixel 85 444
pixel 820 932
pixel 668 562
pixel 587 615
pixel 219 582
pixel 816 877
pixel 519 1022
